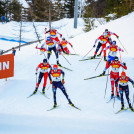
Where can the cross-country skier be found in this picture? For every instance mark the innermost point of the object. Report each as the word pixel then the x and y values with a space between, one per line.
pixel 55 80
pixel 103 40
pixel 53 33
pixel 63 44
pixel 42 50
pixel 51 43
pixel 114 74
pixel 43 73
pixel 113 49
pixel 123 87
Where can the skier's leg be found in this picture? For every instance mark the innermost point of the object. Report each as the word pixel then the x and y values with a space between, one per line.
pixel 45 82
pixel 121 95
pixel 112 84
pixel 54 87
pixel 49 53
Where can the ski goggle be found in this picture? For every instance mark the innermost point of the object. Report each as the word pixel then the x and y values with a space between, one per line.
pixel 55 69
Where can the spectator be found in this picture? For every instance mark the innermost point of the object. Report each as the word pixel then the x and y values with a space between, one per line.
pixel 7 20
pixel 3 19
pixel 13 51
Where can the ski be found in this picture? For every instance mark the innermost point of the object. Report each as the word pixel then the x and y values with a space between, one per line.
pixel 44 95
pixel 53 108
pixel 74 54
pixel 65 68
pixel 96 76
pixel 110 100
pixel 30 95
pixel 89 59
pixel 121 110
pixel 75 107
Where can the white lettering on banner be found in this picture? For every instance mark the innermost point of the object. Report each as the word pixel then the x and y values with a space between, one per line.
pixel 5 65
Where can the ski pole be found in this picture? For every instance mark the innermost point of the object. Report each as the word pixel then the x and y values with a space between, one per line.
pixel 106 84
pixel 114 102
pixel 123 46
pixel 87 53
pixel 49 86
pixel 133 100
pixel 65 59
pixel 120 55
pixel 99 62
pixel 74 50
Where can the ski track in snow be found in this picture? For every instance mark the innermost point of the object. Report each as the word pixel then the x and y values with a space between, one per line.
pixel 19 115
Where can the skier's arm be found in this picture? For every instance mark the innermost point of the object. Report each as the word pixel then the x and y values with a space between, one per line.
pixel 48 31
pixel 49 75
pixel 63 82
pixel 130 80
pixel 59 33
pixel 114 34
pixel 123 65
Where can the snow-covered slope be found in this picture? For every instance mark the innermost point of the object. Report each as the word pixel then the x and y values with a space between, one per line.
pixel 19 115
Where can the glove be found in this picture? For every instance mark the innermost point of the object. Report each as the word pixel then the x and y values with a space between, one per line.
pixel 124 63
pixel 50 81
pixel 94 45
pixel 109 62
pixel 117 37
pixel 71 46
pixel 36 73
pixel 63 82
pixel 60 35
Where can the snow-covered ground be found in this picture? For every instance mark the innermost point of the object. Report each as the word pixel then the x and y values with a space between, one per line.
pixel 19 115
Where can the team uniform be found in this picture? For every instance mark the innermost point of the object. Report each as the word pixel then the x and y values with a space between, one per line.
pixel 55 80
pixel 63 44
pixel 113 49
pixel 43 73
pixel 103 40
pixel 123 87
pixel 108 33
pixel 53 34
pixel 51 43
pixel 114 74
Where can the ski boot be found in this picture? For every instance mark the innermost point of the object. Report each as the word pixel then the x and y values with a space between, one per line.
pixel 122 106
pixel 105 58
pixel 43 90
pixel 55 104
pixel 58 63
pixel 70 103
pixel 35 90
pixel 93 57
pixel 99 54
pixel 131 108
pixel 112 96
pixel 118 97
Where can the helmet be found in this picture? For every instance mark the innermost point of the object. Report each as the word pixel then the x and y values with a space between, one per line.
pixel 48 38
pixel 116 58
pixel 55 66
pixel 114 42
pixel 63 38
pixel 105 35
pixel 123 73
pixel 44 60
pixel 106 30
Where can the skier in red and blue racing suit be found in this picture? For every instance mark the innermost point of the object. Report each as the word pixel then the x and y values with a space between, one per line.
pixel 56 82
pixel 43 73
pixel 114 74
pixel 123 87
